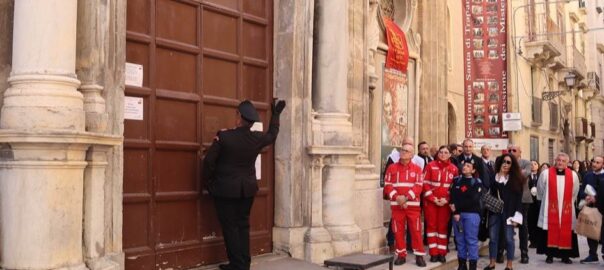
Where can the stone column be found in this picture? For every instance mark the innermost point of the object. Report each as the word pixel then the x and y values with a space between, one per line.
pixel 42 125
pixel 330 88
pixel 332 137
pixel 43 85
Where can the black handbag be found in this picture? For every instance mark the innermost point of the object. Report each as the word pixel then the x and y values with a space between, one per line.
pixel 492 203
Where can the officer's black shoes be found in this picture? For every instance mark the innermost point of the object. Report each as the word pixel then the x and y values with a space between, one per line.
pixel 549 260
pixel 442 259
pixel 419 260
pixel 225 267
pixel 399 261
pixel 472 265
pixel 434 258
pixel 567 261
pixel 524 259
pixel 461 264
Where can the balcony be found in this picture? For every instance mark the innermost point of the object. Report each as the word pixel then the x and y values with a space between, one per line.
pixel 543 48
pixel 577 64
pixel 580 129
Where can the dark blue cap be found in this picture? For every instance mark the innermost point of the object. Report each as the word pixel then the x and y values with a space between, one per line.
pixel 248 111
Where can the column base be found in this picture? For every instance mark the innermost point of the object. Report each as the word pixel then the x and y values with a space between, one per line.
pixel 346 239
pixel 289 240
pixel 335 129
pixel 102 264
pixel 318 245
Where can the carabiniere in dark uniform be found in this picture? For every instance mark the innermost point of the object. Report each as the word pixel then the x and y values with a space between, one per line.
pixel 230 175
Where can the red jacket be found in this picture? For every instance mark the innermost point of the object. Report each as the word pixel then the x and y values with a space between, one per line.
pixel 438 179
pixel 403 180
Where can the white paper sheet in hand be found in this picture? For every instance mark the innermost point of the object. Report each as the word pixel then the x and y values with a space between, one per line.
pixel 517 218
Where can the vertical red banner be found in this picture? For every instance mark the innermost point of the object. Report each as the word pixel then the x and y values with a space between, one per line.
pixel 485 67
pixel 398 52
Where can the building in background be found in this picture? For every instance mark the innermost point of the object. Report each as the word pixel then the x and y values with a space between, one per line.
pixel 594 48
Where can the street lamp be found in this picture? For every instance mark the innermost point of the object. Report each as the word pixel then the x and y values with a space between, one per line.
pixel 569 79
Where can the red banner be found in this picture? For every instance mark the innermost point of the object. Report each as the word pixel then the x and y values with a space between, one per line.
pixel 398 52
pixel 485 67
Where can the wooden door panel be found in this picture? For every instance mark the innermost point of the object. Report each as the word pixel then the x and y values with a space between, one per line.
pixel 173 120
pixel 138 16
pixel 136 177
pixel 176 70
pixel 219 31
pixel 176 223
pixel 177 21
pixel 178 171
pixel 200 58
pixel 255 8
pixel 220 77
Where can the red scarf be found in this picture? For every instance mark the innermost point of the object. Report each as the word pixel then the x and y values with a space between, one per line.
pixel 559 235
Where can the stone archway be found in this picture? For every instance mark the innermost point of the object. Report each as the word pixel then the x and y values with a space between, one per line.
pixel 451 124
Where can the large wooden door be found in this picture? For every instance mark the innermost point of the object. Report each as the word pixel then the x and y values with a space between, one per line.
pixel 199 58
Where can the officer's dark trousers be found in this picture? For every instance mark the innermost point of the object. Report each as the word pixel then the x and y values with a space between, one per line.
pixel 234 217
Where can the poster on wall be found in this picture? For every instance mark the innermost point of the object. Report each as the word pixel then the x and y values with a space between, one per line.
pixel 395 111
pixel 485 69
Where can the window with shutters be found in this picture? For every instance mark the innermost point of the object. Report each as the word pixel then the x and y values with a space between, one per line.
pixel 536 111
pixel 550 151
pixel 534 148
pixel 553 116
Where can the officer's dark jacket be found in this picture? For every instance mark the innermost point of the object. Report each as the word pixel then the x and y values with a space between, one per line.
pixel 229 165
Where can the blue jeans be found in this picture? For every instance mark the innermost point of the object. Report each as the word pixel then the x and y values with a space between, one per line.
pixel 496 223
pixel 467 239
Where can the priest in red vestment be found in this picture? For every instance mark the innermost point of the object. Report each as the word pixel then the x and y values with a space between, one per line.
pixel 557 188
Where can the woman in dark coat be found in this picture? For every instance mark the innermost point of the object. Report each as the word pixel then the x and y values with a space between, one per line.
pixel 506 184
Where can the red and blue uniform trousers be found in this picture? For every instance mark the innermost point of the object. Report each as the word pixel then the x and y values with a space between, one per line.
pixel 409 218
pixel 437 226
pixel 466 235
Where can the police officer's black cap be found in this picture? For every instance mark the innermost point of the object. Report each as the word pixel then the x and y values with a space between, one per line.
pixel 248 111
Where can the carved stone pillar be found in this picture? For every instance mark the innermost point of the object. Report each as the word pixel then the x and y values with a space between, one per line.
pixel 44 145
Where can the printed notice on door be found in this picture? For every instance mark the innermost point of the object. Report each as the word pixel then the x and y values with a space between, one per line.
pixel 133 108
pixel 134 75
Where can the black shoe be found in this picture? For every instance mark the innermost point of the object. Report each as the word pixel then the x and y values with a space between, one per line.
pixel 461 264
pixel 434 258
pixel 419 260
pixel 488 267
pixel 472 265
pixel 589 259
pixel 224 266
pixel 524 259
pixel 507 268
pixel 400 261
pixel 499 257
pixel 567 261
pixel 442 259
pixel 549 260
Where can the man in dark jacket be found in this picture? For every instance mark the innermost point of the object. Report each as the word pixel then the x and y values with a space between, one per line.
pixel 593 178
pixel 469 156
pixel 230 175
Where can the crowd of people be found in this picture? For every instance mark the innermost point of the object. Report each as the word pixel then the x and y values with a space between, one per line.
pixel 480 198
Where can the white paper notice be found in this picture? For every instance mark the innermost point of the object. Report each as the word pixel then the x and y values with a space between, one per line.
pixel 134 75
pixel 511 121
pixel 133 108
pixel 258 127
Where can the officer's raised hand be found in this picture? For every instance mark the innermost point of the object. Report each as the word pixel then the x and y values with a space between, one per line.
pixel 278 106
